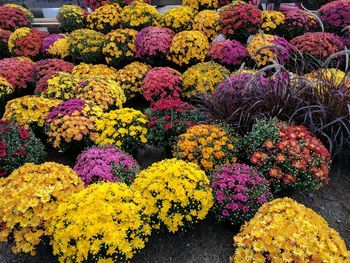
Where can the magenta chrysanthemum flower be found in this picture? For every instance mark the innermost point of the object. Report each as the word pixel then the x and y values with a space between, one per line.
pixel 46 67
pixel 66 108
pixel 106 164
pixel 335 15
pixel 239 191
pixel 49 40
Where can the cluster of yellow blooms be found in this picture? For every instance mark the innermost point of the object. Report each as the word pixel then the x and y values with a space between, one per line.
pixel 178 18
pixel 105 18
pixel 104 92
pixel 61 86
pixel 71 17
pixel 188 47
pixel 86 45
pixel 104 222
pixel 130 78
pixel 177 193
pixel 257 51
pixel 5 88
pixel 17 34
pixel 29 110
pixel 271 20
pixel 125 128
pixel 285 231
pixel 207 21
pixel 139 15
pixel 119 45
pixel 210 146
pixel 78 126
pixel 60 48
pixel 201 4
pixel 203 77
pixel 331 76
pixel 28 200
pixel 84 70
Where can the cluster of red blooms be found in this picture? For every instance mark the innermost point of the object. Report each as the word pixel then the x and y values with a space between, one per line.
pixel 297 158
pixel 162 83
pixel 240 20
pixel 12 18
pixel 335 15
pixel 4 38
pixel 46 67
pixel 17 71
pixel 29 45
pixel 318 44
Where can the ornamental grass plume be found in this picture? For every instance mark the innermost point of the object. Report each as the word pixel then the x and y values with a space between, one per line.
pixel 188 47
pixel 179 18
pixel 177 193
pixel 26 42
pixel 203 78
pixel 286 231
pixel 230 53
pixel 119 47
pixel 335 16
pixel 29 111
pixel 124 128
pixel 85 45
pixel 153 44
pixel 17 71
pixel 105 18
pixel 72 17
pixel 162 83
pixel 209 146
pixel 130 78
pixel 105 222
pixel 208 22
pixel 26 213
pixel 289 156
pixel 13 17
pixel 18 146
pixel 49 66
pixel 239 191
pixel 240 20
pixel 106 164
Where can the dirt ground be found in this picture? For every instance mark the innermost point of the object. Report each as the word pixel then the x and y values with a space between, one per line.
pixel 208 242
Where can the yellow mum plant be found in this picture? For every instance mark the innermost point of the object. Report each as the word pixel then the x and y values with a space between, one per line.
pixel 203 77
pixel 29 110
pixel 84 70
pixel 207 21
pixel 285 231
pixel 105 222
pixel 130 78
pixel 6 89
pixel 139 15
pixel 86 45
pixel 104 92
pixel 201 4
pixel 178 18
pixel 188 47
pixel 177 193
pixel 271 20
pixel 61 86
pixel 332 76
pixel 59 48
pixel 210 146
pixel 124 128
pixel 71 17
pixel 105 18
pixel 28 200
pixel 119 46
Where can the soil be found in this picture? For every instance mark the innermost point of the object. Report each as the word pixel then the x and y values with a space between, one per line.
pixel 208 241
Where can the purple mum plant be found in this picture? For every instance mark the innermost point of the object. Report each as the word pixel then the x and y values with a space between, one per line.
pixel 106 164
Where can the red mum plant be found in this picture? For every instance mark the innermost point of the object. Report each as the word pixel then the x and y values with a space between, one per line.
pixel 18 146
pixel 288 156
pixel 94 4
pixel 12 18
pixel 17 71
pixel 168 119
pixel 4 38
pixel 335 15
pixel 26 42
pixel 240 20
pixel 46 67
pixel 162 83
